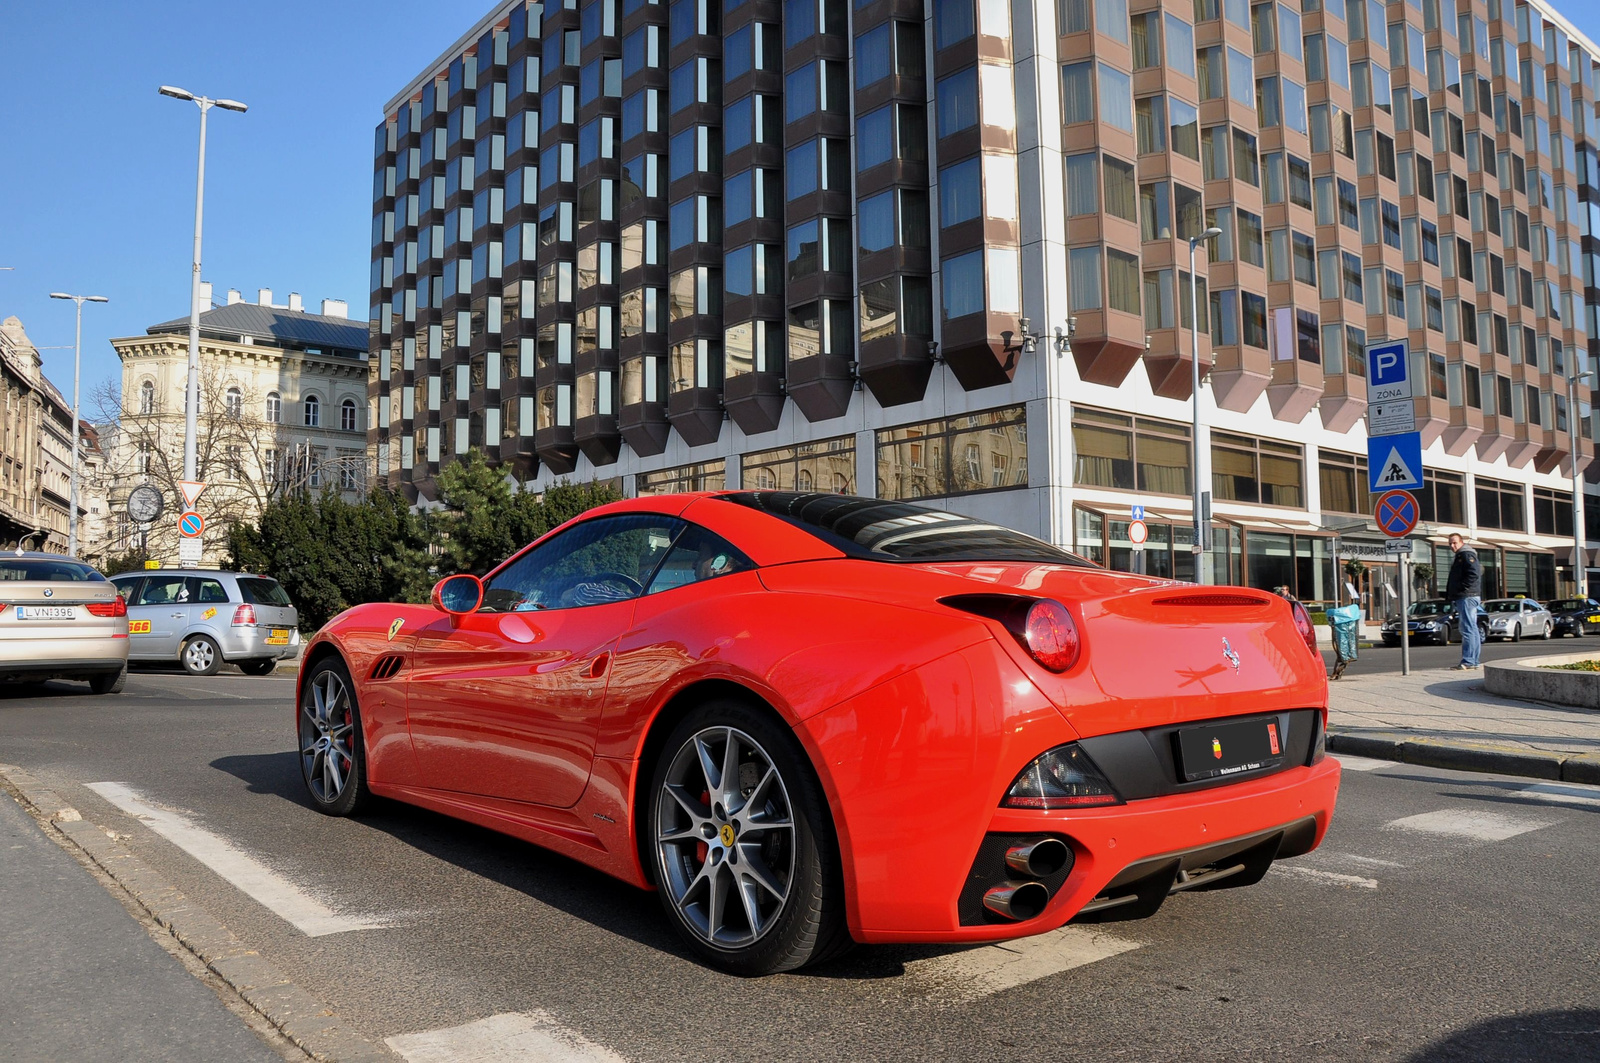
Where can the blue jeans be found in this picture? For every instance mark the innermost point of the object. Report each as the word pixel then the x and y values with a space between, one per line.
pixel 1467 612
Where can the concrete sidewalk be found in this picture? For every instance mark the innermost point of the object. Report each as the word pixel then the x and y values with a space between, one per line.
pixel 1446 719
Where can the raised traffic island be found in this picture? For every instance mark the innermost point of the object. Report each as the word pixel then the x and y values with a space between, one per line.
pixel 1547 679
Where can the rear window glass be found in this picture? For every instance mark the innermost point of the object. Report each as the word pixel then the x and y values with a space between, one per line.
pixel 894 531
pixel 47 570
pixel 258 591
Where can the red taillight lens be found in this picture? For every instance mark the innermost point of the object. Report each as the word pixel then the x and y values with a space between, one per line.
pixel 1051 636
pixel 244 616
pixel 115 607
pixel 1302 624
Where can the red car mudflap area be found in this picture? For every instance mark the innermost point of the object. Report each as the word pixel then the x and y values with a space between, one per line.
pixel 916 768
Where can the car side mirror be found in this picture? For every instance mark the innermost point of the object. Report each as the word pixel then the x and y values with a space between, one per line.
pixel 459 595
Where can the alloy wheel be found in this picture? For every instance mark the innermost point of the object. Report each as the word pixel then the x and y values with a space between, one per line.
pixel 725 837
pixel 198 655
pixel 327 736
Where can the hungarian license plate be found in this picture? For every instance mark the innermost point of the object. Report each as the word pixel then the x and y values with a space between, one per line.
pixel 1212 750
pixel 44 612
pixel 278 637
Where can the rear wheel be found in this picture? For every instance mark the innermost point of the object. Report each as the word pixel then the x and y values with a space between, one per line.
pixel 201 656
pixel 109 682
pixel 333 760
pixel 264 666
pixel 1516 633
pixel 742 844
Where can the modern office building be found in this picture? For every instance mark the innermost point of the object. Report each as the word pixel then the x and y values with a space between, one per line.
pixel 940 249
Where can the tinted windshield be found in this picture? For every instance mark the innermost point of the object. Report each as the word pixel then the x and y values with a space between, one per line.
pixel 1569 605
pixel 44 569
pixel 259 591
pixel 1503 605
pixel 1430 608
pixel 894 531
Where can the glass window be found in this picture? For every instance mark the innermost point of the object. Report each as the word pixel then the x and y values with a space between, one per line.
pixel 610 559
pixel 957 97
pixel 963 285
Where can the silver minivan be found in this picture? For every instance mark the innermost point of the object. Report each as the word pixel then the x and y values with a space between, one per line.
pixel 204 617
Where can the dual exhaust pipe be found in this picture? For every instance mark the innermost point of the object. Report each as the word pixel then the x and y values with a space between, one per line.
pixel 1020 901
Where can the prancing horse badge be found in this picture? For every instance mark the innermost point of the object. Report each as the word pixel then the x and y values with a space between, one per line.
pixel 399 622
pixel 1228 652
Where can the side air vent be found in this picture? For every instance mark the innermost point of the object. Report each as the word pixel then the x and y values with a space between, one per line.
pixel 1203 600
pixel 387 666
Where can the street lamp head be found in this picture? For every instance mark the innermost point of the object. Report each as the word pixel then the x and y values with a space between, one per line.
pixel 60 295
pixel 1211 233
pixel 175 92
pixel 96 299
pixel 232 105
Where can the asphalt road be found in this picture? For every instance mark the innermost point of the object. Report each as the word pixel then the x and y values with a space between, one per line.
pixel 1447 917
pixel 1377 659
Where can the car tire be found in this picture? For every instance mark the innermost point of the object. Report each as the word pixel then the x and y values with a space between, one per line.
pixel 109 683
pixel 332 744
pixel 692 835
pixel 1516 633
pixel 200 655
pixel 1548 628
pixel 1577 629
pixel 261 666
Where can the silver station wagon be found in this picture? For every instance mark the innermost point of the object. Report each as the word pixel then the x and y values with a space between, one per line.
pixel 202 618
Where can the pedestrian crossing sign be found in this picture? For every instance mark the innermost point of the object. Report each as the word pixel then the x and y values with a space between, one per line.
pixel 1394 463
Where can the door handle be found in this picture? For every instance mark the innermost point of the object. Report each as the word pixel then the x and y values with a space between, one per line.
pixel 177 616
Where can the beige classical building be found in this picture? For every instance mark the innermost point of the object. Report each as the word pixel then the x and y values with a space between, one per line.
pixel 282 407
pixel 36 455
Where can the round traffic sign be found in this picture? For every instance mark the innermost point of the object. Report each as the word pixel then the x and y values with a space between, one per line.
pixel 1397 513
pixel 1138 532
pixel 191 524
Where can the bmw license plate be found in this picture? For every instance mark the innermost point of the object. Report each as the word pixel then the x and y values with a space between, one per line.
pixel 279 637
pixel 1212 750
pixel 44 612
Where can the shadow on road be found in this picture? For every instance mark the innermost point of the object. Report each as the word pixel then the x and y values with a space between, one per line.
pixel 1535 1037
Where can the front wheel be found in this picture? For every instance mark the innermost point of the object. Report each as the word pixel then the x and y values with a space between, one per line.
pixel 1577 629
pixel 1516 633
pixel 201 656
pixel 333 760
pixel 1548 627
pixel 743 846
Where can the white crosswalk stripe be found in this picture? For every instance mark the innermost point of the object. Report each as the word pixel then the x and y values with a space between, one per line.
pixel 1332 878
pixel 1478 824
pixel 1352 762
pixel 975 973
pixel 1565 794
pixel 510 1037
pixel 253 878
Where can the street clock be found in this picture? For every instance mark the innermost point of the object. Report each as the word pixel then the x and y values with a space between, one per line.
pixel 146 504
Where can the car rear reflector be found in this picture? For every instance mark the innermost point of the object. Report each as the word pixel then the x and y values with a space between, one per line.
pixel 115 607
pixel 1203 600
pixel 244 616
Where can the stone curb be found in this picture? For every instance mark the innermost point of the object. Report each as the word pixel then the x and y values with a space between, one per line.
pixel 291 1010
pixel 1499 760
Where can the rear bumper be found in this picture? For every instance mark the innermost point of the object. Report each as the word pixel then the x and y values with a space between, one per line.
pixel 250 643
pixel 14 671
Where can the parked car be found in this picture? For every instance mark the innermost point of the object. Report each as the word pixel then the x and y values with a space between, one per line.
pixel 1575 616
pixel 203 617
pixel 1517 618
pixel 60 619
pixel 1432 620
pixel 810 718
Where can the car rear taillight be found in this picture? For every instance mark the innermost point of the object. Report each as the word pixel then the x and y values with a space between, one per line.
pixel 244 616
pixel 1302 624
pixel 1042 626
pixel 115 607
pixel 1063 777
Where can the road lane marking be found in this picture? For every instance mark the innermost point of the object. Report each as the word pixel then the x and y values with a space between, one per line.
pixel 1567 795
pixel 1333 878
pixel 253 878
pixel 1473 823
pixel 973 974
pixel 511 1037
pixel 1355 763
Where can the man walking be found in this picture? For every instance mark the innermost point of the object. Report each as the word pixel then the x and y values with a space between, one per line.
pixel 1465 592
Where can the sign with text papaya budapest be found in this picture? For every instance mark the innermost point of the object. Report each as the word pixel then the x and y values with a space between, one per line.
pixel 1394 448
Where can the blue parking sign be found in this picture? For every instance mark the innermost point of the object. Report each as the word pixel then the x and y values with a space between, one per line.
pixel 1394 463
pixel 1388 372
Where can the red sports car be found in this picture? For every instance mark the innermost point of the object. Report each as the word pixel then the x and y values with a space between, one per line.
pixel 811 719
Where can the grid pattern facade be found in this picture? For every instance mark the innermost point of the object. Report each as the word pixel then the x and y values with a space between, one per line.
pixel 603 228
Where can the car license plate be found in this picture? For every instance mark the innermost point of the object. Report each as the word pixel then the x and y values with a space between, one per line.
pixel 44 612
pixel 279 637
pixel 1594 620
pixel 1212 750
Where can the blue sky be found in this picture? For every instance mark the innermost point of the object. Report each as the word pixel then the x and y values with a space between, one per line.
pixel 97 178
pixel 97 171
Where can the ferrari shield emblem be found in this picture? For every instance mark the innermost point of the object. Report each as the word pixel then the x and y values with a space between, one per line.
pixel 1216 748
pixel 394 628
pixel 727 834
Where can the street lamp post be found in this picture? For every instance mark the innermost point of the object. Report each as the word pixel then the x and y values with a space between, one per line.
pixel 1580 573
pixel 192 389
pixel 77 362
pixel 1194 396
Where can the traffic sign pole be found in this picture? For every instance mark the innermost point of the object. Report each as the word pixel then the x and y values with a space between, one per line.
pixel 1405 614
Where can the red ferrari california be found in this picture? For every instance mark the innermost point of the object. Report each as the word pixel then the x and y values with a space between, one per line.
pixel 810 719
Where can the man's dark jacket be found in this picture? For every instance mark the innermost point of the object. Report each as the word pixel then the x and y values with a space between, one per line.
pixel 1466 576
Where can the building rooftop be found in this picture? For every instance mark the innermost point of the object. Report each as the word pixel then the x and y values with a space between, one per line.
pixel 296 330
